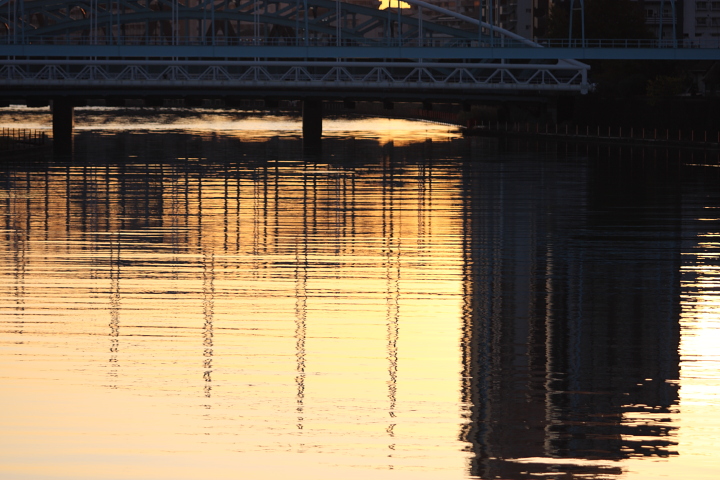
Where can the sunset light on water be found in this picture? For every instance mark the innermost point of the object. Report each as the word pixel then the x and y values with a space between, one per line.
pixel 192 297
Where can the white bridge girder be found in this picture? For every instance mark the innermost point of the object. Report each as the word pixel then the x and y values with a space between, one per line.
pixel 328 76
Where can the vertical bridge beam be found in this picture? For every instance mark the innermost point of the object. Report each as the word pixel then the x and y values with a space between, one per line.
pixel 312 123
pixel 63 119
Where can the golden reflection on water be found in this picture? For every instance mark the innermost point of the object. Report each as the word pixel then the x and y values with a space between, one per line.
pixel 246 126
pixel 251 319
pixel 403 306
pixel 700 350
pixel 699 404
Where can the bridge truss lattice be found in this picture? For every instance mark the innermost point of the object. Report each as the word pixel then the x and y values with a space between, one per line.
pixel 297 47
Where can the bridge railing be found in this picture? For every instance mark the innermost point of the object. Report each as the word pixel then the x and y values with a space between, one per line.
pixel 331 41
pixel 614 134
pixel 195 40
pixel 630 43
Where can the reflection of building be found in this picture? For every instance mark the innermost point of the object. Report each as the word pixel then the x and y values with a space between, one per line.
pixel 572 331
pixel 504 329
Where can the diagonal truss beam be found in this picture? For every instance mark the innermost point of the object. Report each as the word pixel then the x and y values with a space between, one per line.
pixel 326 76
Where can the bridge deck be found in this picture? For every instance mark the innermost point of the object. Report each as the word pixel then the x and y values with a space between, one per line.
pixel 362 52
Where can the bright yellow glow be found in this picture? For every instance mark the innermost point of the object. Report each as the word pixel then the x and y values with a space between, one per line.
pixel 384 4
pixel 232 123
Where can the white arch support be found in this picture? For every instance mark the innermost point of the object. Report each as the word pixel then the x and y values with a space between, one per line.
pixel 493 28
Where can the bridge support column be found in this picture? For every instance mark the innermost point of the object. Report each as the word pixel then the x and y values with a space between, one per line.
pixel 63 119
pixel 312 123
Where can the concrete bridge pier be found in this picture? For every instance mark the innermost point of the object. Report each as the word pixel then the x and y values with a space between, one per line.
pixel 63 119
pixel 312 124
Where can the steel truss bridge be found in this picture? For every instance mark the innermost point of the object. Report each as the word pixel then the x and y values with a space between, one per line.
pixel 289 48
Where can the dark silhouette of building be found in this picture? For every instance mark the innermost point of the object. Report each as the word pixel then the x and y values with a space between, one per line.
pixel 571 316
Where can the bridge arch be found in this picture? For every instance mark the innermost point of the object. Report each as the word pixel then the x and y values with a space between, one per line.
pixel 194 21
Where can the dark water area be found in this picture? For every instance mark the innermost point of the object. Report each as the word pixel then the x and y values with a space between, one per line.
pixel 697 113
pixel 428 306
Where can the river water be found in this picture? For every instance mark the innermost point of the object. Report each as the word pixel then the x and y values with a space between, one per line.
pixel 193 297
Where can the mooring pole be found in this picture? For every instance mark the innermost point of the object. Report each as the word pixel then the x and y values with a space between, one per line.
pixel 312 123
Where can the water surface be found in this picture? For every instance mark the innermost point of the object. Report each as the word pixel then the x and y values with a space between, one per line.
pixel 192 297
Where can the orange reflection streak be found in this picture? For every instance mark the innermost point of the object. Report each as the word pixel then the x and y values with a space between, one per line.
pixel 272 293
pixel 245 126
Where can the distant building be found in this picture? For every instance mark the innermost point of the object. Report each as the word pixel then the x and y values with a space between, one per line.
pixel 701 21
pixel 659 17
pixel 540 16
pixel 469 8
pixel 513 15
pixel 696 21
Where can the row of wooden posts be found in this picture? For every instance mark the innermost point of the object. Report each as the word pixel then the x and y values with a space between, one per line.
pixel 610 133
pixel 20 138
pixel 708 137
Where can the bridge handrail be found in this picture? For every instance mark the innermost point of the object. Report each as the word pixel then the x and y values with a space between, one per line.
pixel 406 64
pixel 240 41
pixel 390 42
pixel 629 43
